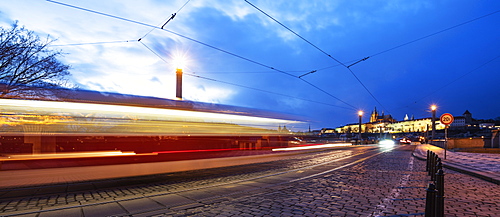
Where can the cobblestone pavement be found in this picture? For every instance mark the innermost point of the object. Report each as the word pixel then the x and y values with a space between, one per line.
pixel 389 184
pixel 482 165
pixel 392 184
pixel 22 200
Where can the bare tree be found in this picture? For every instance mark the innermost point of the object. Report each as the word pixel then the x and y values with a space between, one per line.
pixel 26 63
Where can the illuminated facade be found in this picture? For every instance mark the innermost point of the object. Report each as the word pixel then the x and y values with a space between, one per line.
pixel 381 123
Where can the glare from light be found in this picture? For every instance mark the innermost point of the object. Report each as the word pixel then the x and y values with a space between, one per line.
pixel 433 107
pixel 180 59
pixel 360 113
pixel 386 143
pixel 312 147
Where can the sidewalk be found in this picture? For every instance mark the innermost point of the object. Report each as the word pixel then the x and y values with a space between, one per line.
pixel 482 165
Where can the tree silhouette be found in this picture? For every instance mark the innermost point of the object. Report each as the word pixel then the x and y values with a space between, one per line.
pixel 27 62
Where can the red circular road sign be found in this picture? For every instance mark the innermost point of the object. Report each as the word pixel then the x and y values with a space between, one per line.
pixel 446 119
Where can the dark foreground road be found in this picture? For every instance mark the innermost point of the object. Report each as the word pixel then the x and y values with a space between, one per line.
pixel 354 181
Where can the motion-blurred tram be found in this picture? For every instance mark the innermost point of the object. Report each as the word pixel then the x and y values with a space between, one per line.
pixel 79 128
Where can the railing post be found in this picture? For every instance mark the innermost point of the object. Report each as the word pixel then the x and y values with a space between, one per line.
pixel 440 193
pixel 430 201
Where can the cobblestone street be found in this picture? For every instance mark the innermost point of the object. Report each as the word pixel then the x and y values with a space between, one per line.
pixel 391 183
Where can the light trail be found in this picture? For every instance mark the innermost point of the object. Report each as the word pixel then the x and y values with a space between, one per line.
pixel 78 117
pixel 316 146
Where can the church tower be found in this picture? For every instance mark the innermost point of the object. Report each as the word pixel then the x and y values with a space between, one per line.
pixel 374 116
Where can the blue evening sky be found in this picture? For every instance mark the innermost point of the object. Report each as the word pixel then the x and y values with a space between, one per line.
pixel 443 52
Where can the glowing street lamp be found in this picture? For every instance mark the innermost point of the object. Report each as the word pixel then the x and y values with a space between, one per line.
pixel 178 90
pixel 360 114
pixel 179 60
pixel 433 110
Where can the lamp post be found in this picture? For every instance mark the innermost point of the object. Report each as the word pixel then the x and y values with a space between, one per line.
pixel 178 91
pixel 360 114
pixel 433 109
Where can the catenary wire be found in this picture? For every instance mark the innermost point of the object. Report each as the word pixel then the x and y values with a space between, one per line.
pixel 272 18
pixel 166 20
pixel 188 38
pixel 172 32
pixel 92 43
pixel 265 91
pixel 435 33
pixel 458 78
pixel 310 43
pixel 252 88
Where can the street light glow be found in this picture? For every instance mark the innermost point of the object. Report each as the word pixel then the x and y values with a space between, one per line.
pixel 433 107
pixel 180 59
pixel 360 113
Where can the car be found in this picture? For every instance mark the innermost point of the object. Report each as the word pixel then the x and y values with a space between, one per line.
pixel 405 141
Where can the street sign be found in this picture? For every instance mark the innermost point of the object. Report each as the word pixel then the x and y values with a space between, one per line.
pixel 446 119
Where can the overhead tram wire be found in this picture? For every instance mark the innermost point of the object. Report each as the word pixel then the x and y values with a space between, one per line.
pixel 92 43
pixel 185 37
pixel 310 43
pixel 252 88
pixel 294 32
pixel 426 36
pixel 435 33
pixel 460 77
pixel 172 32
pixel 265 91
pixel 166 20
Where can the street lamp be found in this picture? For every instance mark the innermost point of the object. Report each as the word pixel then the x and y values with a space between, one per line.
pixel 178 90
pixel 360 114
pixel 433 109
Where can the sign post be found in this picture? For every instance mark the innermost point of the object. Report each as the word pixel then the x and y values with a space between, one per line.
pixel 446 119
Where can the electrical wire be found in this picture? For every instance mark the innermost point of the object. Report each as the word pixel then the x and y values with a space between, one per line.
pixel 428 36
pixel 310 43
pixel 294 32
pixel 435 33
pixel 265 91
pixel 158 55
pixel 252 88
pixel 328 93
pixel 458 78
pixel 92 43
pixel 165 21
pixel 188 38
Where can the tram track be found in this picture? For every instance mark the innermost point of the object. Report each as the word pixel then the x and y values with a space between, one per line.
pixel 161 202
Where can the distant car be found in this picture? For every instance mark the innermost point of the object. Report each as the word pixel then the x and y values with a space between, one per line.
pixel 405 141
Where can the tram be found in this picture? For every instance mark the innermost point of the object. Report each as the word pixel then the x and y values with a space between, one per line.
pixel 77 128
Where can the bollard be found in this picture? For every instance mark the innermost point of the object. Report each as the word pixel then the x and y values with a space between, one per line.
pixel 430 201
pixel 432 168
pixel 440 193
pixel 435 168
pixel 439 165
pixel 431 156
pixel 427 160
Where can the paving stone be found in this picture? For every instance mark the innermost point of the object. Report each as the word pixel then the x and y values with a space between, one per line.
pixel 140 205
pixel 109 209
pixel 74 212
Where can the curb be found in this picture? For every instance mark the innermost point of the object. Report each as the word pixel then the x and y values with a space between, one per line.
pixel 462 169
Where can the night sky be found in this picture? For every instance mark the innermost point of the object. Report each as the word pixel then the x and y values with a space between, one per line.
pixel 293 57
